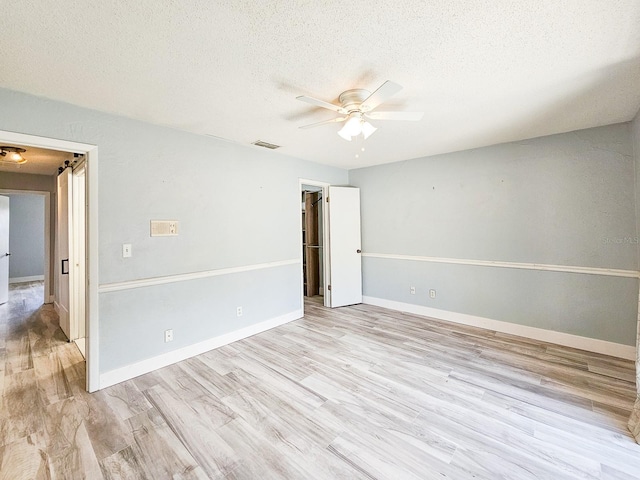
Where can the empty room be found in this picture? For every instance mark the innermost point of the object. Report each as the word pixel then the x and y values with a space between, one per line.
pixel 319 240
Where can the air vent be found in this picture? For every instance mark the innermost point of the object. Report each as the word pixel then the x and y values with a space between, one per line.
pixel 270 146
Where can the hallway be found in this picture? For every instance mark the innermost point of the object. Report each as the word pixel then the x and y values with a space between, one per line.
pixel 40 372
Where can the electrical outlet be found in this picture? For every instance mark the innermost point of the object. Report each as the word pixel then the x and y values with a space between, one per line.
pixel 239 312
pixel 432 293
pixel 168 336
pixel 412 290
pixel 126 250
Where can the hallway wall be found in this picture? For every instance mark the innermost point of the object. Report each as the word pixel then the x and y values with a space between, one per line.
pixel 26 237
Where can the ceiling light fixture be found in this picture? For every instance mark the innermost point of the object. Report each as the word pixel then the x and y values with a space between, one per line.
pixel 355 126
pixel 12 155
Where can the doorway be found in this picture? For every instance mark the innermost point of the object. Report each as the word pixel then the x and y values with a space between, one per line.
pixel 331 263
pixel 314 235
pixel 80 266
pixel 24 253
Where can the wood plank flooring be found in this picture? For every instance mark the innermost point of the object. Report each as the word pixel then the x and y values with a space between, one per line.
pixel 353 393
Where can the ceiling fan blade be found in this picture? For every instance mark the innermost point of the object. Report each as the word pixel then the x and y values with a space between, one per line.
pixel 384 91
pixel 320 103
pixel 333 120
pixel 410 116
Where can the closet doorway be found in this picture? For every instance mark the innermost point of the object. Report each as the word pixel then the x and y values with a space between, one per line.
pixel 314 254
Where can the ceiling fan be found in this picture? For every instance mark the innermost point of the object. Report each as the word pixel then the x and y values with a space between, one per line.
pixel 356 107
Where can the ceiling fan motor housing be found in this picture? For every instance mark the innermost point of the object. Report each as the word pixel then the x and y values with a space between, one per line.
pixel 351 100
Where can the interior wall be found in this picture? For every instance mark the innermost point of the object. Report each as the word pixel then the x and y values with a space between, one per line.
pixel 237 207
pixel 565 200
pixel 26 236
pixel 36 183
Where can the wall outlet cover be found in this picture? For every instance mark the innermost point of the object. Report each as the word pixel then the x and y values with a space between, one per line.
pixel 168 335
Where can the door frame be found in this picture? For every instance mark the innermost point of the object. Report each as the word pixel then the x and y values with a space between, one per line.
pixel 48 297
pixel 91 240
pixel 326 272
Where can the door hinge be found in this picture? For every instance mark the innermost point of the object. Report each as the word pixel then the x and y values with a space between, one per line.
pixel 329 287
pixel 327 199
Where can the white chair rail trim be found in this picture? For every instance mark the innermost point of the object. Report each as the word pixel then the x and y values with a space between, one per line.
pixel 183 277
pixel 611 272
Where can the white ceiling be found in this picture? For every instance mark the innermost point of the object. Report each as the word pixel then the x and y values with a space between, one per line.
pixel 484 72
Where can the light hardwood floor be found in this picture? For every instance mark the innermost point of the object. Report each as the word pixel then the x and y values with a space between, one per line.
pixel 354 393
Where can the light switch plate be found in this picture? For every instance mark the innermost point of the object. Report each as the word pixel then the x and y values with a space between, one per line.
pixel 126 250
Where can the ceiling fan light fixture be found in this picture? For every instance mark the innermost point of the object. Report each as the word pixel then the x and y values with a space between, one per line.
pixel 367 130
pixel 354 125
pixel 344 134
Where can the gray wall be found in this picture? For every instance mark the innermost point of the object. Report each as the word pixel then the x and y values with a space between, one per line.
pixel 563 200
pixel 23 181
pixel 237 205
pixel 36 183
pixel 26 235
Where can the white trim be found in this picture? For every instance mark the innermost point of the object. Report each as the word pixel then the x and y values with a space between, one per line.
pixel 145 366
pixel 92 326
pixel 33 278
pixel 183 277
pixel 48 287
pixel 44 142
pixel 91 152
pixel 612 272
pixel 626 352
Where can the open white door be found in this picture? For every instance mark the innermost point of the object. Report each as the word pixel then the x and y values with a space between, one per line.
pixel 64 272
pixel 78 260
pixel 4 249
pixel 345 261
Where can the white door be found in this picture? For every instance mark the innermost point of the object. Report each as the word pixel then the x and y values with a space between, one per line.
pixel 4 249
pixel 64 272
pixel 344 246
pixel 78 258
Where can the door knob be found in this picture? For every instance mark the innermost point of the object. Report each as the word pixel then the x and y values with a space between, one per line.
pixel 358 251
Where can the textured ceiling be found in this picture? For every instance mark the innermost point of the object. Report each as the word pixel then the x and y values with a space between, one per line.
pixel 484 72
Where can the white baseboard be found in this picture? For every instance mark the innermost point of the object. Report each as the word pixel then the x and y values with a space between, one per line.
pixel 145 366
pixel 52 299
pixel 618 350
pixel 34 278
